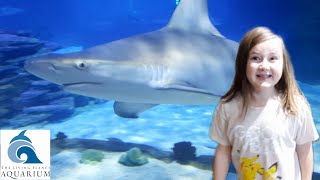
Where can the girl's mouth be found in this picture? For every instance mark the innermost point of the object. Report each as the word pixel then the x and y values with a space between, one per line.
pixel 265 76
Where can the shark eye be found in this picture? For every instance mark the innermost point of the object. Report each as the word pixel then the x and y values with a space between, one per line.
pixel 82 65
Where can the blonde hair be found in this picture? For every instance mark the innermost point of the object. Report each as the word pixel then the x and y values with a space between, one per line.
pixel 287 85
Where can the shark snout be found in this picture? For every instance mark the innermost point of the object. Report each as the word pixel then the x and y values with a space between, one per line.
pixel 42 68
pixel 35 66
pixel 29 65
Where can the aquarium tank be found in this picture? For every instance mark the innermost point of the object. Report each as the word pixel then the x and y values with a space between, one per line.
pixel 127 89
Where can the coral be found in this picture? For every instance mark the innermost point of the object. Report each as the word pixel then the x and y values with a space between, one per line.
pixel 133 157
pixel 183 152
pixel 91 156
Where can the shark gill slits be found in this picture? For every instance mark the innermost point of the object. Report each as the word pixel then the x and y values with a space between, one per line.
pixel 52 67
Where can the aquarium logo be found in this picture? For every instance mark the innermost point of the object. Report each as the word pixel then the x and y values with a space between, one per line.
pixel 25 154
pixel 19 145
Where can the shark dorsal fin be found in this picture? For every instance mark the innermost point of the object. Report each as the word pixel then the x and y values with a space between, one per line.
pixel 192 15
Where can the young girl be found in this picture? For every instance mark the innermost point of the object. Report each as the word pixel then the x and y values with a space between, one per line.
pixel 264 123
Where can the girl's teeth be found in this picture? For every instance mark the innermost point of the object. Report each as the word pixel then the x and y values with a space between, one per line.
pixel 264 76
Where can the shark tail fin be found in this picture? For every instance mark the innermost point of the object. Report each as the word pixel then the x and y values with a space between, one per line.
pixel 192 15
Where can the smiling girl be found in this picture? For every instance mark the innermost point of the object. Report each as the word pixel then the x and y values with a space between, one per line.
pixel 263 124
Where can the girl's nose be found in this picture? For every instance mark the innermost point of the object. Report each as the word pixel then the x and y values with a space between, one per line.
pixel 264 64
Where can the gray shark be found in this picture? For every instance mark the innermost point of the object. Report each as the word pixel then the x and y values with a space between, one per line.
pixel 186 62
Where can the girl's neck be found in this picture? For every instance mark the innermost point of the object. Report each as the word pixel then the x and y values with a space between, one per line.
pixel 260 98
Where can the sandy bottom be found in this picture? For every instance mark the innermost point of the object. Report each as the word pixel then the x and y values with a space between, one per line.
pixel 65 165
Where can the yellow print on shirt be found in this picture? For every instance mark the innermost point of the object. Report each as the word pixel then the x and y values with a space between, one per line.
pixel 270 173
pixel 249 168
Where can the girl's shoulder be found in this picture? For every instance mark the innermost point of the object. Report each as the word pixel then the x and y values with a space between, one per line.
pixel 302 104
pixel 235 103
pixel 301 101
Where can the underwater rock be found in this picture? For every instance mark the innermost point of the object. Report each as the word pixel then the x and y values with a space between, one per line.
pixel 37 101
pixel 65 101
pixel 30 98
pixel 4 98
pixel 24 33
pixel 33 94
pixel 47 109
pixel 8 68
pixel 60 136
pixel 56 95
pixel 41 83
pixel 10 79
pixel 52 113
pixel 204 162
pixel 183 152
pixel 11 52
pixel 133 157
pixel 91 156
pixel 115 139
pixel 57 113
pixel 26 119
pixel 117 145
pixel 4 112
pixel 113 146
pixel 10 39
pixel 14 45
pixel 20 103
pixel 6 88
pixel 99 101
pixel 80 101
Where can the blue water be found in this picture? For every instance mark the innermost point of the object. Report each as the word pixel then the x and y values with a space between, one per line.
pixel 83 24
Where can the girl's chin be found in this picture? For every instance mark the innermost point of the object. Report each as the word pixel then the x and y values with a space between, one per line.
pixel 264 86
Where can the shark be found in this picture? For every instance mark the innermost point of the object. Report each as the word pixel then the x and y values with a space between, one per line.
pixel 186 62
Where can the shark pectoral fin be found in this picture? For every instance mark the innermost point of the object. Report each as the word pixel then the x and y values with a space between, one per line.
pixel 130 110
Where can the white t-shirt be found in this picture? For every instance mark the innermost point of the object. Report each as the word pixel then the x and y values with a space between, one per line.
pixel 264 141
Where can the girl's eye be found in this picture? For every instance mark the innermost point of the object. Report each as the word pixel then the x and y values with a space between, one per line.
pixel 274 58
pixel 255 58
